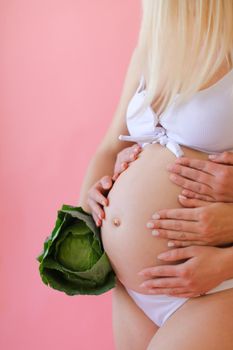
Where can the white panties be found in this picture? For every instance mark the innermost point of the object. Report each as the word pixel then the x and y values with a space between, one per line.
pixel 160 307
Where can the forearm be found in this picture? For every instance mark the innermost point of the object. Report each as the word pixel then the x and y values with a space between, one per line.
pixel 102 163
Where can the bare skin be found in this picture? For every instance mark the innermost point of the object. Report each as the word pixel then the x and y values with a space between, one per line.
pixel 133 329
pixel 141 189
pixel 209 327
pixel 215 313
pixel 119 312
pixel 209 181
pixel 123 230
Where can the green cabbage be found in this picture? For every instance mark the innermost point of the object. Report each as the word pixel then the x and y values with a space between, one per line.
pixel 73 260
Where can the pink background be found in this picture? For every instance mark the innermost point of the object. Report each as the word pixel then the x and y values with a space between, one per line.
pixel 62 66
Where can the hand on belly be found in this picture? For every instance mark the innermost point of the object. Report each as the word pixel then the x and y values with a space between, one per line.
pixel 142 189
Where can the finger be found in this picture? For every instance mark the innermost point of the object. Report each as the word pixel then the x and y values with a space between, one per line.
pixel 115 176
pixel 180 226
pixel 136 149
pixel 190 173
pixel 175 235
pixel 163 283
pixel 161 270
pixel 133 156
pixel 224 158
pixel 177 244
pixel 177 254
pixel 96 209
pixel 186 295
pixel 97 220
pixel 120 168
pixel 106 182
pixel 199 164
pixel 167 291
pixel 129 154
pixel 124 165
pixel 179 213
pixel 189 293
pixel 191 185
pixel 192 195
pixel 97 196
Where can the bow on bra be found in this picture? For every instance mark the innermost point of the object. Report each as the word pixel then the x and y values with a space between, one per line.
pixel 158 136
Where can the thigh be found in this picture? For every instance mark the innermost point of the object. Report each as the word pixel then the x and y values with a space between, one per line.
pixel 132 329
pixel 201 323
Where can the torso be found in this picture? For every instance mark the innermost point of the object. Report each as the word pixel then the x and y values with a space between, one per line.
pixel 142 189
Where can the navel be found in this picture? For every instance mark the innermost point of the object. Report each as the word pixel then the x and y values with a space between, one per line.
pixel 116 221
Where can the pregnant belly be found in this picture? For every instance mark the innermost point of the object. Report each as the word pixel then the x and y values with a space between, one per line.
pixel 142 189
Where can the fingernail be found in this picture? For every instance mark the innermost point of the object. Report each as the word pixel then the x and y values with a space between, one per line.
pixel 143 284
pixel 212 156
pixel 132 156
pixel 170 244
pixel 155 233
pixel 149 225
pixel 155 216
pixel 182 196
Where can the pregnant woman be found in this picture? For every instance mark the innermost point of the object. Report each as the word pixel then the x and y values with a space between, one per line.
pixel 177 101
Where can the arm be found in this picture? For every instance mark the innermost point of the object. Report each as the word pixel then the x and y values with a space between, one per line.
pixel 103 160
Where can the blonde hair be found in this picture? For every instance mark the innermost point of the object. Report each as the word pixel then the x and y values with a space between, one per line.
pixel 184 42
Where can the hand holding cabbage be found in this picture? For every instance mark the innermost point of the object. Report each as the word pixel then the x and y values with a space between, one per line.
pixel 73 260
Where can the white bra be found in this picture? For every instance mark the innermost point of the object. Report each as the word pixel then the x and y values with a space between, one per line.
pixel 204 123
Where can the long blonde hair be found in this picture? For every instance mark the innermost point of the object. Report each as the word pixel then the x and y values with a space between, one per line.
pixel 184 42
